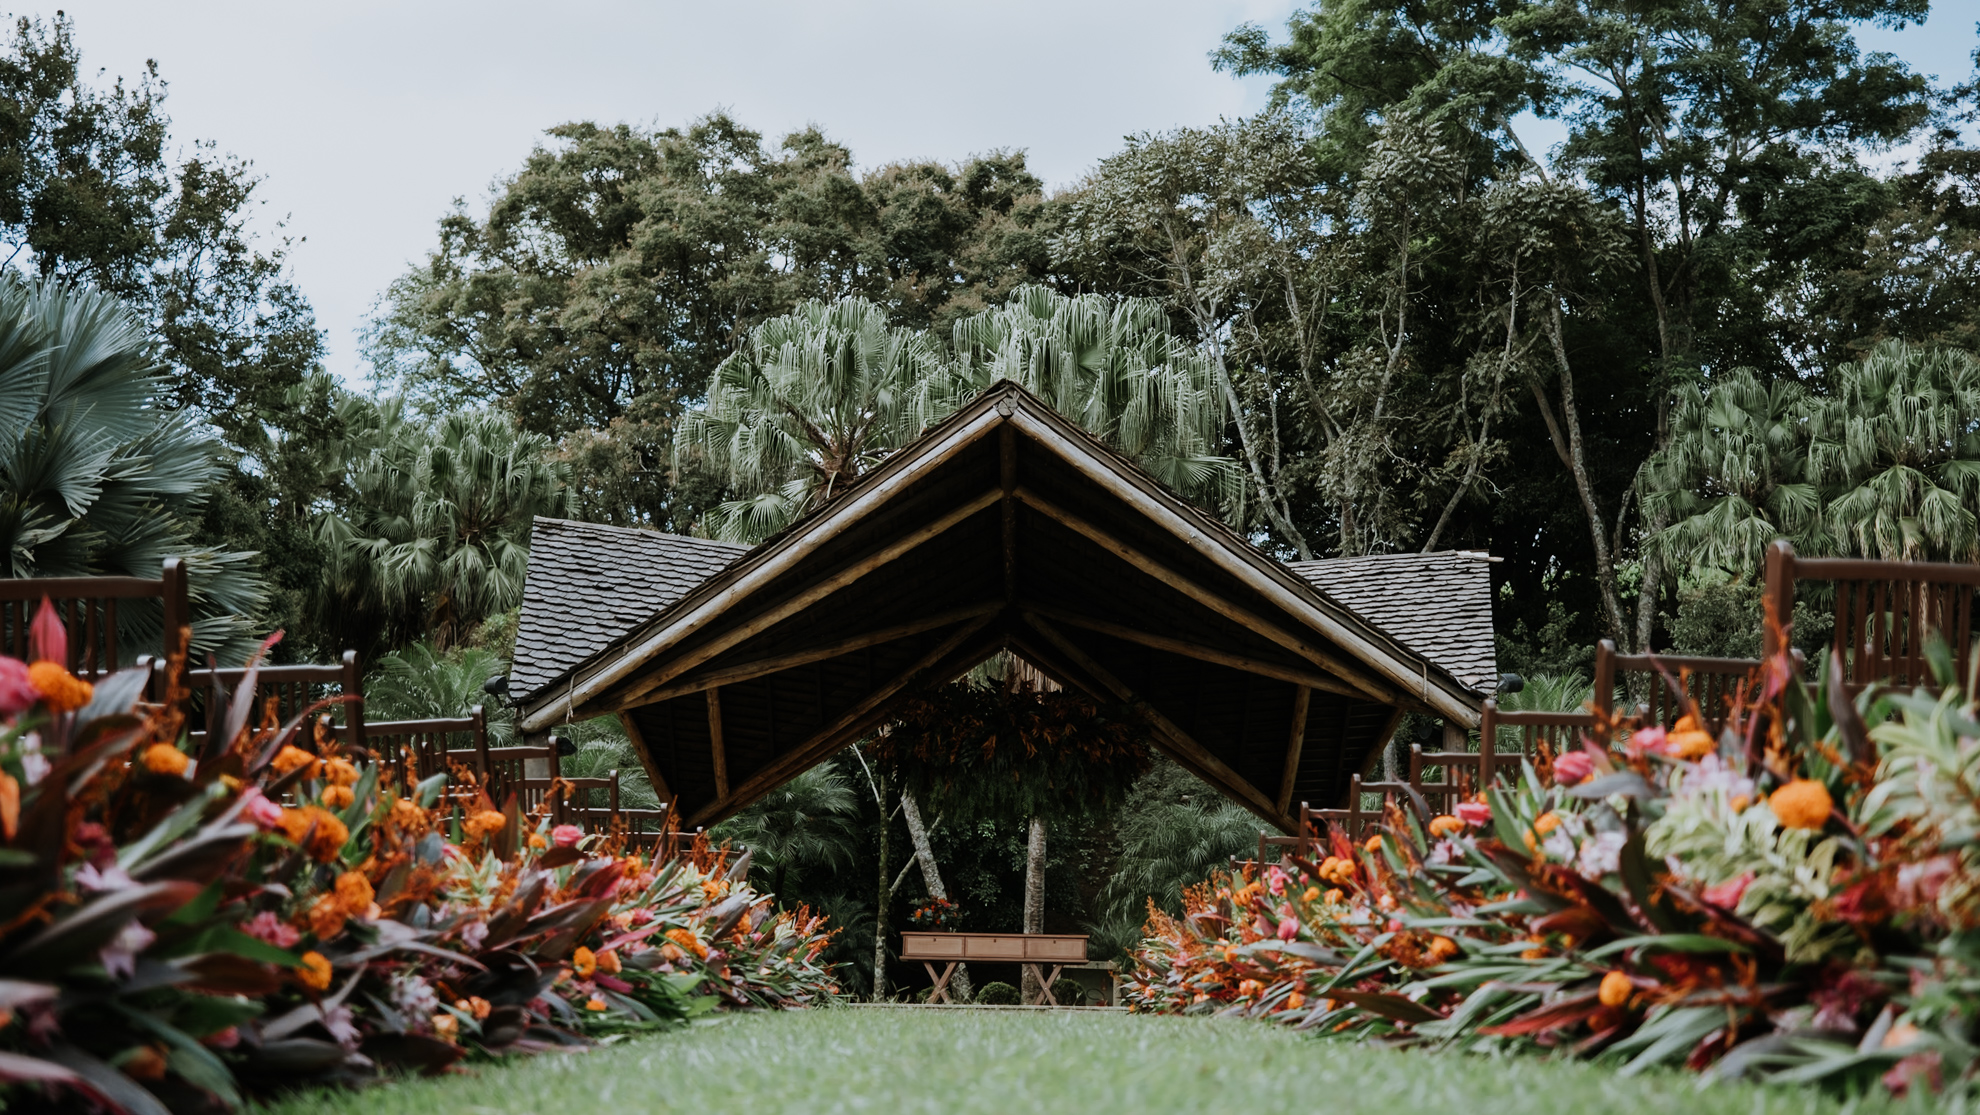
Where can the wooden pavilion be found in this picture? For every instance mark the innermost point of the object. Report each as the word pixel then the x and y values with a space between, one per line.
pixel 1005 527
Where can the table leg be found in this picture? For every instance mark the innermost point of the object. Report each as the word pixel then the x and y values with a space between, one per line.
pixel 940 992
pixel 1045 985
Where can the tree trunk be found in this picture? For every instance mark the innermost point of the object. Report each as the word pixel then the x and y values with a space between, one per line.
pixel 883 901
pixel 931 875
pixel 1570 450
pixel 1034 895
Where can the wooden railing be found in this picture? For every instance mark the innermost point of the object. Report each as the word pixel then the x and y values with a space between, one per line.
pixel 1711 683
pixel 293 688
pixel 105 632
pixel 1887 612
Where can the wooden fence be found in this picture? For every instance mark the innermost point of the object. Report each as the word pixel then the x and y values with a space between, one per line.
pixel 1887 612
pixel 110 620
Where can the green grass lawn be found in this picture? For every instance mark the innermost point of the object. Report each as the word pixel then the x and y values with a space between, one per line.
pixel 980 1061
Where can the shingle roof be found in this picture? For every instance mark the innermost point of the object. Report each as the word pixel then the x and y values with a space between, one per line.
pixel 1438 605
pixel 590 584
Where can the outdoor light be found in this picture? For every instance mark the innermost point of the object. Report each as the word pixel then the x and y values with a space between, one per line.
pixel 1511 683
pixel 497 686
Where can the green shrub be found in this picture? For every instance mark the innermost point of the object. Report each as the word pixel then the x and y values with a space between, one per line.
pixel 998 994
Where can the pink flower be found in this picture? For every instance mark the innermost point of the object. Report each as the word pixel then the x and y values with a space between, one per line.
pixel 17 693
pixel 565 836
pixel 119 957
pixel 1728 893
pixel 1275 880
pixel 1288 929
pixel 48 640
pixel 1474 813
pixel 1653 740
pixel 256 807
pixel 1573 767
pixel 1919 884
pixel 224 1039
pixel 267 927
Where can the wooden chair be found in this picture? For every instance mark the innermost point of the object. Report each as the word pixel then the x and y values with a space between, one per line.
pixel 1887 613
pixel 105 632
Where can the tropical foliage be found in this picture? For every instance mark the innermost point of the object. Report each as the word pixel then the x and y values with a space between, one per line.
pixel 1790 900
pixel 178 941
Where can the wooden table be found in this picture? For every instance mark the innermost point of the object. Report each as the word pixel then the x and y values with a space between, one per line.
pixel 1032 951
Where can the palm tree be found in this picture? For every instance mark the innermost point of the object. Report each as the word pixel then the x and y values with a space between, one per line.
pixel 811 401
pixel 1173 831
pixel 805 825
pixel 419 682
pixel 1896 448
pixel 1734 476
pixel 1112 366
pixel 435 538
pixel 97 479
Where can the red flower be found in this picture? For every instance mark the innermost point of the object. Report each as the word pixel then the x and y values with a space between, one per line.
pixel 48 640
pixel 1728 893
pixel 1573 767
pixel 1474 813
pixel 17 692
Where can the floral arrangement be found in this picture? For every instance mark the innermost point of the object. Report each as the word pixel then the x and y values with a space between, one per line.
pixel 1795 898
pixel 937 915
pixel 180 929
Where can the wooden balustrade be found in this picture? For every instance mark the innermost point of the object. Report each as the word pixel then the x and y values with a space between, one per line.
pixel 1887 613
pixel 293 688
pixel 111 621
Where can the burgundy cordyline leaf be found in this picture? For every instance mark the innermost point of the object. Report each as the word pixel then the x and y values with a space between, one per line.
pixel 48 640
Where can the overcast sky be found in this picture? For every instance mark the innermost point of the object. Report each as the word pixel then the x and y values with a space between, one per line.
pixel 366 119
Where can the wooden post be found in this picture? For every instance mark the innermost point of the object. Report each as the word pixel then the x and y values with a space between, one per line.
pixel 1605 678
pixel 1295 743
pixel 1007 483
pixel 718 752
pixel 1779 594
pixel 1488 743
pixel 353 683
pixel 480 742
pixel 178 611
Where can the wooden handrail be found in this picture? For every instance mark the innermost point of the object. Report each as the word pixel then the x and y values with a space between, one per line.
pixel 88 607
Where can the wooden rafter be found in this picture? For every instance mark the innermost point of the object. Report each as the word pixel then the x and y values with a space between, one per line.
pixel 1295 744
pixel 1202 652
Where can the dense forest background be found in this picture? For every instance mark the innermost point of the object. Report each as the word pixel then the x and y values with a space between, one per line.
pixel 1740 301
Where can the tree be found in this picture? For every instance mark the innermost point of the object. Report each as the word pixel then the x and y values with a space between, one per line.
pixel 419 682
pixel 435 537
pixel 810 403
pixel 97 476
pixel 804 828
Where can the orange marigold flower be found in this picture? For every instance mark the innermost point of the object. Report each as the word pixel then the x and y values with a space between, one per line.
pixel 1546 823
pixel 608 962
pixel 340 772
pixel 354 892
pixel 1295 1000
pixel 1373 845
pixel 1691 745
pixel 325 833
pixel 537 842
pixel 595 1004
pixel 314 971
pixel 488 822
pixel 165 759
pixel 1312 893
pixel 1334 896
pixel 327 917
pixel 686 939
pixel 1802 804
pixel 445 1026
pixel 291 759
pixel 338 797
pixel 1446 826
pixel 1616 990
pixel 60 690
pixel 584 962
pixel 407 814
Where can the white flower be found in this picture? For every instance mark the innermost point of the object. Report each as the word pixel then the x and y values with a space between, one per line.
pixel 413 996
pixel 1601 855
pixel 112 877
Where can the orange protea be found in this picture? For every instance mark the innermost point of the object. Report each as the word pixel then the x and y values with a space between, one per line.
pixel 1337 869
pixel 165 759
pixel 320 827
pixel 584 962
pixel 60 690
pixel 291 759
pixel 1446 826
pixel 1616 990
pixel 340 772
pixel 686 939
pixel 314 971
pixel 1802 804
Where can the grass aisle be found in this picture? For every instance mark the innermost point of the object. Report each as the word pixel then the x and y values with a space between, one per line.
pixel 955 1062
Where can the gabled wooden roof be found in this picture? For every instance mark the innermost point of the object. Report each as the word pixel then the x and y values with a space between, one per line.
pixel 1004 527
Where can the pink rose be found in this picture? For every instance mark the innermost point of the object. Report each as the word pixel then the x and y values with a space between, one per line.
pixel 566 836
pixel 1474 813
pixel 1573 767
pixel 17 693
pixel 1288 929
pixel 1275 880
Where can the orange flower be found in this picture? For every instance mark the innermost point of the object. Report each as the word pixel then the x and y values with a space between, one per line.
pixel 327 917
pixel 354 892
pixel 163 758
pixel 1691 745
pixel 1250 988
pixel 1802 804
pixel 340 772
pixel 144 1063
pixel 1295 1000
pixel 595 1004
pixel 338 797
pixel 325 833
pixel 1616 990
pixel 314 971
pixel 1312 893
pixel 1445 826
pixel 407 814
pixel 688 942
pixel 10 807
pixel 445 1026
pixel 1441 949
pixel 584 962
pixel 488 822
pixel 61 690
pixel 476 1006
pixel 1333 896
pixel 1373 845
pixel 608 962
pixel 292 758
pixel 536 841
pixel 1546 823
pixel 1337 870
